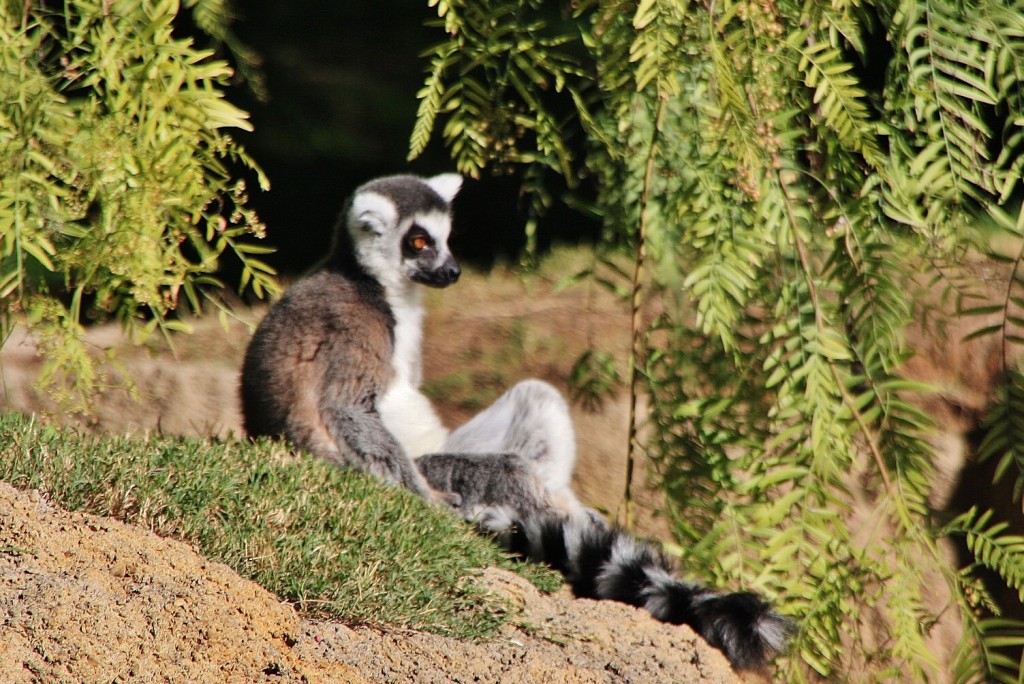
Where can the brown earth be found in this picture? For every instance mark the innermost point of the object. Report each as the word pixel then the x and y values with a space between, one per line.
pixel 89 599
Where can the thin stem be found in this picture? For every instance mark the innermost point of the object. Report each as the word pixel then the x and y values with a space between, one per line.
pixel 636 328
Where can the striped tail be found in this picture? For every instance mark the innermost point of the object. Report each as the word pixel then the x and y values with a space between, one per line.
pixel 601 562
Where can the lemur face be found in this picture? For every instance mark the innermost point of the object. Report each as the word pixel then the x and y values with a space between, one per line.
pixel 424 260
pixel 400 227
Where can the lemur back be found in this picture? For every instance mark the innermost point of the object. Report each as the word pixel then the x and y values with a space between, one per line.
pixel 323 326
pixel 335 368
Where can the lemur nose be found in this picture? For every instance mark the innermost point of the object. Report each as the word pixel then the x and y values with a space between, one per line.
pixel 454 272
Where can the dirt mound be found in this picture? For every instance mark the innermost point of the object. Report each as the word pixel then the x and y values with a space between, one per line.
pixel 86 599
pixel 89 599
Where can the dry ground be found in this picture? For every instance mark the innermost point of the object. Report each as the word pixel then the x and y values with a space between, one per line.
pixel 89 599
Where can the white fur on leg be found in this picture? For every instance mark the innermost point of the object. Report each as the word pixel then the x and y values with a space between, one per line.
pixel 532 420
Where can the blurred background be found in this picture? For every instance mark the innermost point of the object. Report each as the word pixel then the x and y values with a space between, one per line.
pixel 340 99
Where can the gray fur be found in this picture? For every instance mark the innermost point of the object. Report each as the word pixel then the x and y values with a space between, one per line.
pixel 312 373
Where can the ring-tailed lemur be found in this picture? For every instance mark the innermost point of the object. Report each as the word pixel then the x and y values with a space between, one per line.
pixel 335 368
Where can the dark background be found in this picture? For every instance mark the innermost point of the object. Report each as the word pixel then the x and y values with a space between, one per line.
pixel 341 81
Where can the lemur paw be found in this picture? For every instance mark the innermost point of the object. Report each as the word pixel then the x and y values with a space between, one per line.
pixel 452 500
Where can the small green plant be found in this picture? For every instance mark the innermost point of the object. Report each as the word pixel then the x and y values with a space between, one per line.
pixel 120 192
pixel 331 540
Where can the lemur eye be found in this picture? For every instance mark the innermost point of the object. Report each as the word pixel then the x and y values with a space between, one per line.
pixel 418 239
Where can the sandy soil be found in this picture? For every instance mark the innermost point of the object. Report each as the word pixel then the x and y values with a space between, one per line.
pixel 89 599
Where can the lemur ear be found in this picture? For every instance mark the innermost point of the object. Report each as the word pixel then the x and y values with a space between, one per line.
pixel 371 213
pixel 370 222
pixel 446 185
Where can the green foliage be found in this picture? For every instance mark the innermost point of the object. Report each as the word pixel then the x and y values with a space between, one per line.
pixel 1004 554
pixel 593 378
pixel 118 193
pixel 330 540
pixel 785 175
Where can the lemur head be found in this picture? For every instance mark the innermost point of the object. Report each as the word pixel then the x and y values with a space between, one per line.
pixel 400 226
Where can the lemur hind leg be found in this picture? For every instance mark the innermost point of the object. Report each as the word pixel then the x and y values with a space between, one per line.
pixel 496 491
pixel 531 420
pixel 512 463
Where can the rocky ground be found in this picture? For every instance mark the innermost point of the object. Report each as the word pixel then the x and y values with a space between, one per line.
pixel 89 599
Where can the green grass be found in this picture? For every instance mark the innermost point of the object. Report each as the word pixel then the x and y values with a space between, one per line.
pixel 330 540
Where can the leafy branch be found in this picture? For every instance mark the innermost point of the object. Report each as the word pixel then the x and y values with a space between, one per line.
pixel 119 191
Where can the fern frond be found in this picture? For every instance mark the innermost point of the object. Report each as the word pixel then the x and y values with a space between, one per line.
pixel 991 547
pixel 838 97
pixel 431 97
pixel 949 78
pixel 1004 432
pixel 1003 22
pixel 981 655
pixel 658 41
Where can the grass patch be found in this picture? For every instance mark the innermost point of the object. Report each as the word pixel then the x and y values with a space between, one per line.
pixel 331 540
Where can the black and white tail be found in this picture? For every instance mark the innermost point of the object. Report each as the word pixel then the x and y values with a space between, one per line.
pixel 601 562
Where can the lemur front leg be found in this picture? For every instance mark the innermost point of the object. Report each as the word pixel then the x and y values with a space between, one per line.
pixel 363 442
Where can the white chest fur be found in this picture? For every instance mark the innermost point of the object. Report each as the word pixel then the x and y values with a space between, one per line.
pixel 406 412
